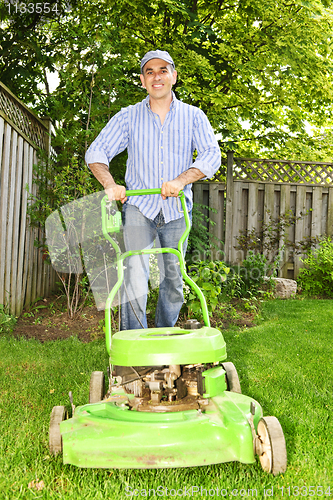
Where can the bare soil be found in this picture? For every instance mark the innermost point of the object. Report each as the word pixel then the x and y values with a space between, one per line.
pixel 47 319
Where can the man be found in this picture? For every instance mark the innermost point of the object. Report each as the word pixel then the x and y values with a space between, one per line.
pixel 160 134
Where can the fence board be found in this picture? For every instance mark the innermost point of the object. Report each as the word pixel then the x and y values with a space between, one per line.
pixel 252 219
pixel 16 224
pixel 228 242
pixel 215 203
pixel 324 209
pixel 256 188
pixel 236 255
pixel 317 211
pixel 33 251
pixel 300 224
pixel 23 273
pixel 3 209
pixel 10 212
pixel 23 235
pixel 269 199
pixel 28 256
pixel 2 126
pixel 330 212
pixel 284 210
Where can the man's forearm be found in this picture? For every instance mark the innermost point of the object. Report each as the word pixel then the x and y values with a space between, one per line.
pixel 113 190
pixel 189 176
pixel 102 174
pixel 172 188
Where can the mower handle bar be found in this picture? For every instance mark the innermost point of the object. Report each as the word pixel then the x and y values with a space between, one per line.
pixel 179 253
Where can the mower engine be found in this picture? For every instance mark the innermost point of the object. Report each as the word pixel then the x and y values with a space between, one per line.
pixel 163 388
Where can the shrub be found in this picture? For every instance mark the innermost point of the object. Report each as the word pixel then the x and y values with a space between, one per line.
pixel 253 271
pixel 220 286
pixel 7 321
pixel 252 275
pixel 201 241
pixel 209 276
pixel 268 240
pixel 317 277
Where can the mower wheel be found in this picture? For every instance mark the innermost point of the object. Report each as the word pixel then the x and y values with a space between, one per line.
pixel 271 445
pixel 58 414
pixel 233 384
pixel 96 387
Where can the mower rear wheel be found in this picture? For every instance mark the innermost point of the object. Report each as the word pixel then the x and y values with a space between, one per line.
pixel 271 445
pixel 96 387
pixel 233 384
pixel 58 414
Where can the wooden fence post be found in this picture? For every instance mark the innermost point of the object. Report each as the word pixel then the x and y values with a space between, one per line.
pixel 229 207
pixel 4 183
pixel 284 208
pixel 330 212
pixel 317 209
pixel 299 226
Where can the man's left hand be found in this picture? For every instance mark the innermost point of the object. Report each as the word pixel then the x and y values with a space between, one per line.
pixel 171 188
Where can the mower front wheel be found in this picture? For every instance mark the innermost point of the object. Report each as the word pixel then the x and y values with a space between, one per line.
pixel 271 445
pixel 58 414
pixel 232 379
pixel 96 387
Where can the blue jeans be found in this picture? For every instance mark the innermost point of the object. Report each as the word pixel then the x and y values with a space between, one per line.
pixel 140 233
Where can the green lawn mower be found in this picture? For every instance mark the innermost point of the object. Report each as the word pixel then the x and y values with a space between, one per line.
pixel 172 399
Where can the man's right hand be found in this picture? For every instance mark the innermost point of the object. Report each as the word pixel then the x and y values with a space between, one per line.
pixel 116 193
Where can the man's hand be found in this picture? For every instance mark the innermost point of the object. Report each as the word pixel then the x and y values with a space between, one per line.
pixel 116 192
pixel 171 188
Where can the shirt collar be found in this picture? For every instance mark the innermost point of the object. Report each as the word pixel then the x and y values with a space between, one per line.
pixel 173 104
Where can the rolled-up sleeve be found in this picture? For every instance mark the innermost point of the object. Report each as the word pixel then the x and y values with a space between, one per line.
pixel 208 159
pixel 112 140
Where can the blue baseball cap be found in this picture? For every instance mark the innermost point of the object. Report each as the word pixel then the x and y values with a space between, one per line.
pixel 157 54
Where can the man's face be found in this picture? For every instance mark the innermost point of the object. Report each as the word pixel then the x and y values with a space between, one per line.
pixel 158 78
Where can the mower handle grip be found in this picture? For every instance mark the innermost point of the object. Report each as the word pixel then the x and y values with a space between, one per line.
pixel 140 192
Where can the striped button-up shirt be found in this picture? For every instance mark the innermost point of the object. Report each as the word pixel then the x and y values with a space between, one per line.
pixel 158 153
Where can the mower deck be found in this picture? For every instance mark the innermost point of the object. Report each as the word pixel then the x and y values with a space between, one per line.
pixel 114 434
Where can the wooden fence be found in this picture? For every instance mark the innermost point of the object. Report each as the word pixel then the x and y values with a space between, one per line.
pixel 23 274
pixel 256 190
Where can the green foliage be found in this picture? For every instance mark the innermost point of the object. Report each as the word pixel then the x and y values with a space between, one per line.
pixel 209 276
pixel 7 321
pixel 273 239
pixel 221 284
pixel 58 185
pixel 200 240
pixel 317 277
pixel 252 279
pixel 252 272
pixel 153 286
pixel 259 70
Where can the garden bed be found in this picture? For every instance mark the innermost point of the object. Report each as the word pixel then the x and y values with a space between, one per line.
pixel 47 319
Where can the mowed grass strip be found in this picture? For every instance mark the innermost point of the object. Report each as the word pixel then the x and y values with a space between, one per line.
pixel 285 363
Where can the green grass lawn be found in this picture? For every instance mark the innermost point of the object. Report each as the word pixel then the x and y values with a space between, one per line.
pixel 285 363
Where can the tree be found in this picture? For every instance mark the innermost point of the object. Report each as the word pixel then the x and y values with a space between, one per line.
pixel 259 70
